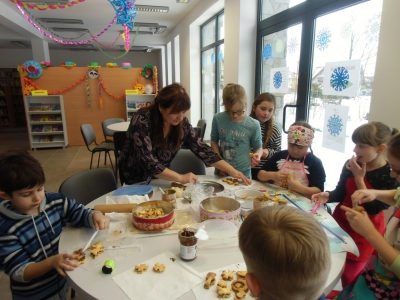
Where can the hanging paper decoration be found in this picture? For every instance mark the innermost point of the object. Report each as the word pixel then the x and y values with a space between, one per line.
pixel 87 90
pixel 100 96
pixel 125 12
pixel 29 82
pixel 33 69
pixel 147 71
pixel 61 41
pixel 155 80
pixel 45 7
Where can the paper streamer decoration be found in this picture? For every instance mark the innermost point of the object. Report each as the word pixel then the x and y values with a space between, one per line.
pixel 46 7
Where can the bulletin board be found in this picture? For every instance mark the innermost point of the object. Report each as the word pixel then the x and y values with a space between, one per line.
pixel 78 108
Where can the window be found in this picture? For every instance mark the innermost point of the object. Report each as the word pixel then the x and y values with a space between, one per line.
pixel 302 36
pixel 212 68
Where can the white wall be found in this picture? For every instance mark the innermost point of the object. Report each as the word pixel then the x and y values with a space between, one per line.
pixel 385 100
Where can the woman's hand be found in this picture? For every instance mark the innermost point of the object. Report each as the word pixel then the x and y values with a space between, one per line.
pixel 359 221
pixel 100 221
pixel 189 177
pixel 354 167
pixel 62 262
pixel 363 196
pixel 240 175
pixel 321 197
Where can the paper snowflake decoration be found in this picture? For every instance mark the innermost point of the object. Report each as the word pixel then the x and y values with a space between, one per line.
pixel 277 80
pixel 340 79
pixel 335 125
pixel 373 28
pixel 292 45
pixel 323 39
pixel 267 52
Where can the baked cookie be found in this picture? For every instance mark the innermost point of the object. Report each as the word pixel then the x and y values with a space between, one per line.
pixel 240 295
pixel 240 285
pixel 141 268
pixel 222 283
pixel 241 274
pixel 224 292
pixel 97 249
pixel 359 208
pixel 210 280
pixel 227 275
pixel 159 268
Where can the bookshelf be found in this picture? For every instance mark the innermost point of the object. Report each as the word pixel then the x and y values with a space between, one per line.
pixel 136 101
pixel 45 117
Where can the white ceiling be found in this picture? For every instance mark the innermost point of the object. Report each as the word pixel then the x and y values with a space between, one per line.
pixel 96 16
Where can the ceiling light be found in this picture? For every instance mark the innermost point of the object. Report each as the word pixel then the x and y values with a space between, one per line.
pixel 141 24
pixel 160 29
pixel 182 1
pixel 20 44
pixel 62 29
pixel 150 8
pixel 140 32
pixel 60 21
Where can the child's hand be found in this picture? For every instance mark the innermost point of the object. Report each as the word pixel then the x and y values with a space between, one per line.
pixel 293 183
pixel 62 262
pixel 280 176
pixel 354 167
pixel 321 197
pixel 359 221
pixel 265 153
pixel 100 221
pixel 255 160
pixel 363 196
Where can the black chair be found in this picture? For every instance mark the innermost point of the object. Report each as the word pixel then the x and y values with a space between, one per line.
pixel 186 161
pixel 89 137
pixel 119 142
pixel 202 124
pixel 89 185
pixel 108 132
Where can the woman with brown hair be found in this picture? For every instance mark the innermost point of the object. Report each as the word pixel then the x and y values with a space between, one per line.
pixel 156 134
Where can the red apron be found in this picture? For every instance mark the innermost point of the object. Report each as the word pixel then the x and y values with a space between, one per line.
pixel 364 247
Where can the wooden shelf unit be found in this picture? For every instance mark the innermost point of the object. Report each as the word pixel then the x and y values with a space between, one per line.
pixel 136 101
pixel 46 121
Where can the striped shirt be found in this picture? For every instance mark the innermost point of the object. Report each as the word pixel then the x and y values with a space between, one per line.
pixel 273 145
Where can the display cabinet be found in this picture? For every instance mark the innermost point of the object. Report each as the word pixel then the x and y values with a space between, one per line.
pixel 136 101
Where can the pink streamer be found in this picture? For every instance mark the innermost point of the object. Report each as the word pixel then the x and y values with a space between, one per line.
pixel 61 41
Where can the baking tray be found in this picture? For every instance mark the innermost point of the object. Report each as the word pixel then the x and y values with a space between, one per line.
pixel 217 186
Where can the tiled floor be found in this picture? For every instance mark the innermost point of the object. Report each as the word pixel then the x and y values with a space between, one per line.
pixel 58 164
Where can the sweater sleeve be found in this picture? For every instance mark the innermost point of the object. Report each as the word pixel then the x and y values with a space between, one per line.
pixel 317 175
pixel 274 143
pixel 338 194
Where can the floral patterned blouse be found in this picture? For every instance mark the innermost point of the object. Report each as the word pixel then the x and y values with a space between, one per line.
pixel 140 160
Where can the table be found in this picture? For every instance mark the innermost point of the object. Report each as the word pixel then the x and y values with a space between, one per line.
pixel 96 285
pixel 121 126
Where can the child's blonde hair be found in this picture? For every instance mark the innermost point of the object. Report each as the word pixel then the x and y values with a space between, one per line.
pixel 373 134
pixel 287 251
pixel 233 93
pixel 393 146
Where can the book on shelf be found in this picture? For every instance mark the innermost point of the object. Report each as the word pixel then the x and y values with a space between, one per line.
pixel 47 138
pixel 35 106
pixel 46 107
pixel 51 118
pixel 47 128
pixel 35 118
pixel 58 118
pixel 44 118
pixel 131 104
pixel 56 107
pixel 37 128
pixel 57 128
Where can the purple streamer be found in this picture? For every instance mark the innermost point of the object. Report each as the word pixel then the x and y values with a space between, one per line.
pixel 61 41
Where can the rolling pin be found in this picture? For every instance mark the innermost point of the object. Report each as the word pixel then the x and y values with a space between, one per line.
pixel 120 208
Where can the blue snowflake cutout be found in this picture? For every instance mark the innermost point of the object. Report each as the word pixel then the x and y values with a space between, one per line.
pixel 323 39
pixel 335 125
pixel 277 80
pixel 292 45
pixel 267 52
pixel 213 58
pixel 340 79
pixel 220 56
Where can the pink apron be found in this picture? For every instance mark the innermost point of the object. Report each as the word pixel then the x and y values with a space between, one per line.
pixel 294 168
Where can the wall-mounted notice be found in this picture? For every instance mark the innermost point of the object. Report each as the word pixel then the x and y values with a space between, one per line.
pixel 342 78
pixel 334 132
pixel 279 81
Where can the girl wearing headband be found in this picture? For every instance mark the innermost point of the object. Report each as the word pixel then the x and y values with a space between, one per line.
pixel 296 168
pixel 367 170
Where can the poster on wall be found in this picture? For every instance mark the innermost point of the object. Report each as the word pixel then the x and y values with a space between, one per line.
pixel 342 78
pixel 279 83
pixel 334 132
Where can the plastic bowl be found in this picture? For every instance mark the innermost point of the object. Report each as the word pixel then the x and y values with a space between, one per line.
pixel 154 224
pixel 219 229
pixel 210 208
pixel 246 197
